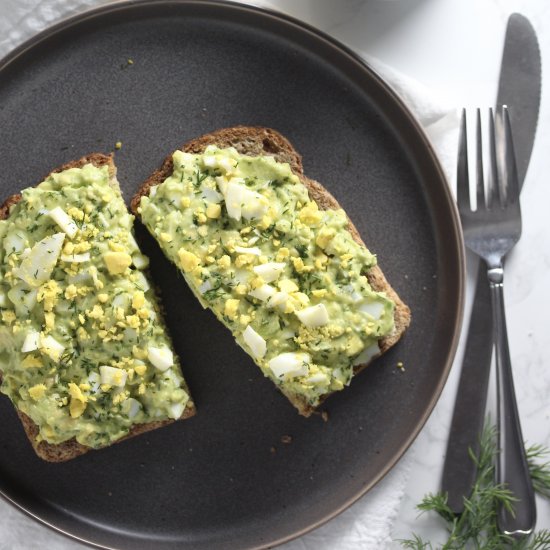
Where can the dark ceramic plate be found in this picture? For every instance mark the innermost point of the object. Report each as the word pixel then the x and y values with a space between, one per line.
pixel 224 479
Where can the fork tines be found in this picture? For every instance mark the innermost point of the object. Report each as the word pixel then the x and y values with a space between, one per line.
pixel 502 182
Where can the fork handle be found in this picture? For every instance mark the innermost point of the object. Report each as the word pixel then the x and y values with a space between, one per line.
pixel 511 468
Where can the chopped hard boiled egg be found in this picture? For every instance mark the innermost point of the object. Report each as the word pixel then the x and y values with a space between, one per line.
pixel 205 287
pixel 64 221
pixel 140 261
pixel 37 266
pixel 113 376
pixel 210 195
pixel 14 242
pixel 254 250
pixel 32 341
pixel 234 199
pixel 254 205
pixel 255 342
pixel 374 309
pixel 117 262
pixel 290 365
pixel 367 355
pixel 317 378
pixel 269 271
pixel 161 358
pixel 37 391
pixel 176 410
pixel 313 316
pixel 51 347
pixel 278 299
pixel 23 299
pixel 75 258
pixel 263 292
pixel 131 407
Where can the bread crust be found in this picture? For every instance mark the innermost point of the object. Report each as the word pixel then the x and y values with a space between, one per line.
pixel 61 452
pixel 257 141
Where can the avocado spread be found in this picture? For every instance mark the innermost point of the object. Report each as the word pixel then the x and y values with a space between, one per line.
pixel 82 350
pixel 284 276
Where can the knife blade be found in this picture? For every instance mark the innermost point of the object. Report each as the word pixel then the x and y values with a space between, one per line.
pixel 519 88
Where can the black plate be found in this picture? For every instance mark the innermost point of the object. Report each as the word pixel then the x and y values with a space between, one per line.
pixel 224 479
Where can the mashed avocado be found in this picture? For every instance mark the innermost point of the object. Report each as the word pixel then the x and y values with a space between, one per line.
pixel 81 350
pixel 285 277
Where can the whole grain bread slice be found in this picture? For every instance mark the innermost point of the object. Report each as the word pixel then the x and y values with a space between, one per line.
pixel 258 141
pixel 70 449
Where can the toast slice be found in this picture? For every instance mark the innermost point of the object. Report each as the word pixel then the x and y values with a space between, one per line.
pixel 75 328
pixel 264 143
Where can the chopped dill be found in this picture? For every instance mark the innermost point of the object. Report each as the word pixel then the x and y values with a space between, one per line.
pixel 477 526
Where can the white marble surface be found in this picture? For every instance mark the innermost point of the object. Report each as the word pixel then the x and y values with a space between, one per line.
pixel 453 47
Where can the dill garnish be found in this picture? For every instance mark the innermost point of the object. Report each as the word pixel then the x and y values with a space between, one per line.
pixel 477 526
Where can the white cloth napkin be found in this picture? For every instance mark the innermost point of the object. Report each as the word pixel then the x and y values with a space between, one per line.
pixel 365 525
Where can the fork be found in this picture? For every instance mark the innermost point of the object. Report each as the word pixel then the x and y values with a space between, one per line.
pixel 491 231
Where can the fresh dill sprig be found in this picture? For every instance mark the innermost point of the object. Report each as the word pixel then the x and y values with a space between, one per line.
pixel 477 527
pixel 199 178
pixel 540 472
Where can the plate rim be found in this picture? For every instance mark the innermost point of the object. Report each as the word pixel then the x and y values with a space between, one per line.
pixel 92 12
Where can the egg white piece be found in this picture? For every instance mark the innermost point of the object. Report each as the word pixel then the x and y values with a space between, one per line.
pixel 222 182
pixel 286 334
pixel 32 341
pixel 279 299
pixel 290 364
pixel 210 161
pixel 38 264
pixel 255 342
pixel 254 206
pixel 141 281
pixel 23 299
pixel 51 347
pixel 317 378
pixel 113 376
pixel 175 410
pixel 131 407
pixel 205 287
pixel 75 258
pixel 263 292
pixel 95 381
pixel 140 261
pixel 64 221
pixel 161 358
pixel 211 195
pixel 374 309
pixel 367 355
pixel 14 242
pixel 270 271
pixel 234 200
pixel 313 316
pixel 227 164
pixel 242 275
pixel 354 295
pixel 254 250
pixel 121 300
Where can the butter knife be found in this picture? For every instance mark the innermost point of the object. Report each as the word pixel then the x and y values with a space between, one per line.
pixel 519 88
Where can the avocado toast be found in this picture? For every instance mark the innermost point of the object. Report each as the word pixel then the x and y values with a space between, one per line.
pixel 273 255
pixel 84 355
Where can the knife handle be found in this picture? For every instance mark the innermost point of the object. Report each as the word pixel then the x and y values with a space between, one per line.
pixel 459 470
